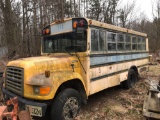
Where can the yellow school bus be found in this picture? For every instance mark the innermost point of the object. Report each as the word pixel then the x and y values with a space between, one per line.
pixel 79 57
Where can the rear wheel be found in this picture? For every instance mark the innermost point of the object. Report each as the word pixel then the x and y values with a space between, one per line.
pixel 132 78
pixel 66 105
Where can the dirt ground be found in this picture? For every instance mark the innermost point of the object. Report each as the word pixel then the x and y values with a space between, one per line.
pixel 117 103
pixel 120 104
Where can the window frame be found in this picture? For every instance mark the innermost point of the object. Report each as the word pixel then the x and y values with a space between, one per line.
pixel 117 41
pixel 132 43
pixel 105 47
pixel 91 40
pixel 110 51
pixel 121 33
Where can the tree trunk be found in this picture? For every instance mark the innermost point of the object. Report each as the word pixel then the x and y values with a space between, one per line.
pixel 8 27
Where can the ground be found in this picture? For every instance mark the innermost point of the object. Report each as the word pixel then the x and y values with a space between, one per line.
pixel 120 104
pixel 117 103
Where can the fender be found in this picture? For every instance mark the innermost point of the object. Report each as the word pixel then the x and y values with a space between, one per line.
pixel 56 79
pixel 59 77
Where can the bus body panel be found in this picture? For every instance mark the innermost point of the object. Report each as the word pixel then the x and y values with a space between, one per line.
pixel 111 75
pixel 104 83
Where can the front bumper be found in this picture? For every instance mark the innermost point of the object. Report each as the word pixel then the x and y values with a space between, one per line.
pixel 23 101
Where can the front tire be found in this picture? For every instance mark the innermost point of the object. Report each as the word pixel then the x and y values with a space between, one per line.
pixel 66 105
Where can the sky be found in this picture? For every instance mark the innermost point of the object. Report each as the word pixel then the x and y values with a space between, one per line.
pixel 144 6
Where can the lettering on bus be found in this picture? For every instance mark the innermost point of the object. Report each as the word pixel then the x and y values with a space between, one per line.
pixel 60 26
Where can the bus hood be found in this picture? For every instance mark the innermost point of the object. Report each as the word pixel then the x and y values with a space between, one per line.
pixel 42 62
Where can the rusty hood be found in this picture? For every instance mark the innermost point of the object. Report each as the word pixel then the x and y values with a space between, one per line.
pixel 43 63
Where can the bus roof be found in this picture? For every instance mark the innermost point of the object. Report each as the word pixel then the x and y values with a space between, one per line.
pixel 105 25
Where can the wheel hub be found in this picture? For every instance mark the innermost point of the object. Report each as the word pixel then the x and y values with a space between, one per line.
pixel 70 108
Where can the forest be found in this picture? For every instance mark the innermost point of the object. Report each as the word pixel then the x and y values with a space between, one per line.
pixel 21 21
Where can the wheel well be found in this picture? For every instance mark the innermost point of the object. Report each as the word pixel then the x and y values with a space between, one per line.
pixel 135 69
pixel 74 84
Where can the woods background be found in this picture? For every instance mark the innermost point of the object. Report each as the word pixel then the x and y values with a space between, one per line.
pixel 21 21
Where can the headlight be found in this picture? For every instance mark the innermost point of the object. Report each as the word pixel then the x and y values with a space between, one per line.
pixel 41 90
pixel 36 89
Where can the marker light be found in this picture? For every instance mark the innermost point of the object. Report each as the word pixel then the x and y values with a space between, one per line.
pixel 47 31
pixel 47 73
pixel 44 32
pixel 81 23
pixel 90 22
pixel 75 24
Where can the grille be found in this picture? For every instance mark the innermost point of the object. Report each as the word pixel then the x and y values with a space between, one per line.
pixel 14 80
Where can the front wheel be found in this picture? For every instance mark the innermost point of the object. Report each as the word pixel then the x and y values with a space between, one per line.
pixel 66 105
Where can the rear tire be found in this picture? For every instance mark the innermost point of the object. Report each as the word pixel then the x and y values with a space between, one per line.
pixel 131 80
pixel 66 105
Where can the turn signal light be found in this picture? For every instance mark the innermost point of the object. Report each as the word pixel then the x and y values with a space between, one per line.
pixel 44 90
pixel 75 24
pixel 46 32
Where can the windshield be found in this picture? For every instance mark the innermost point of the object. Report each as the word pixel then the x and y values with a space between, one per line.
pixel 69 42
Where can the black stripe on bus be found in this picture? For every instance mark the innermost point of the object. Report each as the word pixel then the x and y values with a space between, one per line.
pixel 112 63
pixel 111 74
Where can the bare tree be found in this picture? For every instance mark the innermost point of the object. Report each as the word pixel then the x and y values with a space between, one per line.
pixel 94 9
pixel 9 26
pixel 109 10
pixel 127 14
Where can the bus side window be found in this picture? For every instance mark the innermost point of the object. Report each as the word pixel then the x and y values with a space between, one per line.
pixel 120 42
pixel 112 39
pixel 139 43
pixel 134 43
pixel 94 40
pixel 128 43
pixel 143 43
pixel 102 40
